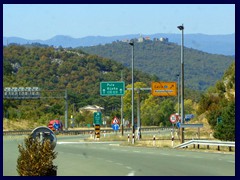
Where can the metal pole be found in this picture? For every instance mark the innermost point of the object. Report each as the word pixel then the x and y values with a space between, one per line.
pixel 178 95
pixel 138 114
pixel 122 106
pixel 182 82
pixel 66 110
pixel 133 130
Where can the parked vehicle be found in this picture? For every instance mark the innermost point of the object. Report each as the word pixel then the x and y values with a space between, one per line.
pixel 55 125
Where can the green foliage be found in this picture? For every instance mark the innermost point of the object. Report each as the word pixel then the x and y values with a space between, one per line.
pixel 226 129
pixel 36 158
pixel 201 69
pixel 60 69
pixel 220 101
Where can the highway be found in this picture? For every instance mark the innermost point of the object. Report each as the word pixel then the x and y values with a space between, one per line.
pixel 77 157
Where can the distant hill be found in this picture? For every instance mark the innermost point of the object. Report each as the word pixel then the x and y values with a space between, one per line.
pixel 214 44
pixel 201 69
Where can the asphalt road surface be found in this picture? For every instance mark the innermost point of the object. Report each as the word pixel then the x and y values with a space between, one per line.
pixel 78 158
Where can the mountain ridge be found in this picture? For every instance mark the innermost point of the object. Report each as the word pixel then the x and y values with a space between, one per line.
pixel 214 44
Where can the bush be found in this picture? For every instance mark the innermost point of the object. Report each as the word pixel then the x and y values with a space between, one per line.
pixel 36 158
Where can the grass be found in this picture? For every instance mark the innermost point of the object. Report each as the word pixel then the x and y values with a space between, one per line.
pixel 161 141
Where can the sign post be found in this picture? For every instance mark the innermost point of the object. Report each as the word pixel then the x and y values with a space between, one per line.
pixel 97 120
pixel 97 131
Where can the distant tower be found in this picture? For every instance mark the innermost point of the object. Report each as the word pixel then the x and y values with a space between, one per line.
pixel 140 39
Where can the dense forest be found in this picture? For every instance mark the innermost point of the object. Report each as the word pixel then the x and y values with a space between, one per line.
pixel 58 69
pixel 201 70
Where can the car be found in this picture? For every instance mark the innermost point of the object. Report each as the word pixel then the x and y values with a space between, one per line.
pixel 55 125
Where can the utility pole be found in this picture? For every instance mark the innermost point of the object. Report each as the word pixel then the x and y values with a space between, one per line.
pixel 122 106
pixel 133 129
pixel 181 28
pixel 66 110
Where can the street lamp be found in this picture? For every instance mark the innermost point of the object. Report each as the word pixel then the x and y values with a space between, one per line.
pixel 181 28
pixel 178 75
pixel 133 130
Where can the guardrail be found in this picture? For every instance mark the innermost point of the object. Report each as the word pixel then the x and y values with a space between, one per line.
pixel 85 131
pixel 207 143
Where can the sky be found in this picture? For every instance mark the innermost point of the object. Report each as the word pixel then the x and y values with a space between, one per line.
pixel 44 21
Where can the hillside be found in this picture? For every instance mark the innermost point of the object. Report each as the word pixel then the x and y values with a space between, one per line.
pixel 81 73
pixel 201 70
pixel 60 69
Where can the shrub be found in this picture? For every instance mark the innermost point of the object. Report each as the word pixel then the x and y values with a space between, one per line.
pixel 36 158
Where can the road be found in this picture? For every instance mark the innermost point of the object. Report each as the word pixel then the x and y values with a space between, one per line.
pixel 78 158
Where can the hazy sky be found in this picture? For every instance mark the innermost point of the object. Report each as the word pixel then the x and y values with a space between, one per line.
pixel 43 21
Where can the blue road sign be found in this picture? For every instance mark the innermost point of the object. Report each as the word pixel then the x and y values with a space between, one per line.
pixel 115 127
pixel 56 126
pixel 188 117
pixel 178 124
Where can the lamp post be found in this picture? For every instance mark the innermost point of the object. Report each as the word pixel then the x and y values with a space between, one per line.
pixel 181 28
pixel 133 130
pixel 178 75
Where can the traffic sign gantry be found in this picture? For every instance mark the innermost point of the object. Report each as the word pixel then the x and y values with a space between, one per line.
pixel 112 88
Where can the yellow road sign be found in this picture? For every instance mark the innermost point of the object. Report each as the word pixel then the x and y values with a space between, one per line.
pixel 164 88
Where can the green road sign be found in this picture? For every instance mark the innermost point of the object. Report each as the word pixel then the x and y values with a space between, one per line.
pixel 112 88
pixel 97 118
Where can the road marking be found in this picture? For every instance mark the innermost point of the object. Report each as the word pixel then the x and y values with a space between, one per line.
pixel 164 154
pixel 114 144
pixel 128 167
pixel 179 155
pixel 198 157
pixel 124 150
pixel 73 142
pixel 131 173
pixel 232 162
pixel 150 152
pixel 137 151
pixel 120 164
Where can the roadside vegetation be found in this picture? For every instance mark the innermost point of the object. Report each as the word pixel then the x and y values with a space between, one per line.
pixel 80 73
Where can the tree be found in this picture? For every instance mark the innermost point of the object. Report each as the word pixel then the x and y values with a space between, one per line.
pixel 225 130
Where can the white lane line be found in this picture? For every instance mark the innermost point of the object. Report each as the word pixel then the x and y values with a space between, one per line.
pixel 232 162
pixel 164 154
pixel 179 155
pixel 137 151
pixel 131 173
pixel 109 161
pixel 128 167
pixel 197 157
pixel 120 164
pixel 124 150
pixel 114 144
pixel 83 142
pixel 150 152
